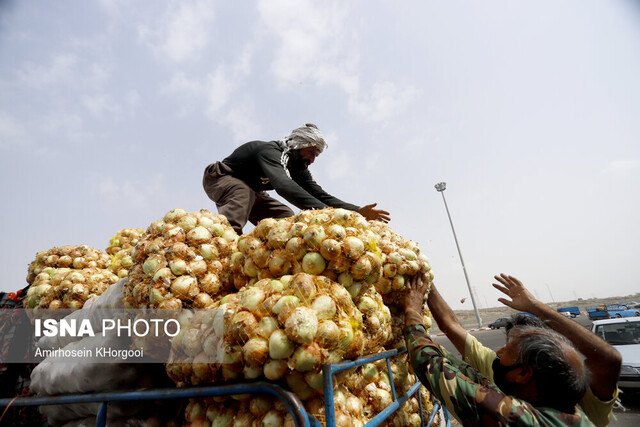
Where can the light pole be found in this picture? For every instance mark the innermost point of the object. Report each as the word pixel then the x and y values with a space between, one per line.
pixel 441 186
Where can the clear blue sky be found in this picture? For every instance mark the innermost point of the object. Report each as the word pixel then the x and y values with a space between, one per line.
pixel 529 110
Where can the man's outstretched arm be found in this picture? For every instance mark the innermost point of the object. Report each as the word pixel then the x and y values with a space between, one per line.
pixel 446 319
pixel 602 360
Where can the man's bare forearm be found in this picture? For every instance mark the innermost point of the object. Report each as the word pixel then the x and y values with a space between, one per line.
pixel 446 319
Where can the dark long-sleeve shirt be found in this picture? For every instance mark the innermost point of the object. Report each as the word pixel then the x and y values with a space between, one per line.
pixel 471 397
pixel 257 163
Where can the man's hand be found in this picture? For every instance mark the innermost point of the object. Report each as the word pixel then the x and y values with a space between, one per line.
pixel 371 214
pixel 521 298
pixel 414 296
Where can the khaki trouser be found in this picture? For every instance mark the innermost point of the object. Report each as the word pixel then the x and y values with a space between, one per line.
pixel 237 201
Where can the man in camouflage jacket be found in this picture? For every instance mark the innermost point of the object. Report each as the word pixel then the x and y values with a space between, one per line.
pixel 539 376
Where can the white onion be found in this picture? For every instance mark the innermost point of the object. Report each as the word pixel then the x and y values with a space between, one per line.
pixel 280 346
pixel 361 268
pixel 353 247
pixel 345 279
pixel 198 235
pixel 163 276
pixel 266 326
pixel 256 351
pixel 354 406
pixel 296 247
pixel 313 263
pixel 202 300
pixel 278 237
pixel 174 214
pixel 208 251
pixel 354 290
pixel 259 405
pixel 198 267
pixel 185 287
pixel 390 269
pixel 191 344
pixel 336 231
pixel 313 236
pixel 342 215
pixel 398 283
pixel 243 326
pixel 328 334
pixel 314 380
pixel 306 358
pixel 178 267
pixel 261 256
pixel 346 335
pixel 150 266
pixel 408 254
pixel 367 305
pixel 278 263
pixel 230 235
pixel 250 268
pixel 155 296
pixel 275 369
pixel 210 284
pixel 324 307
pixel 285 304
pixel 370 372
pixel 330 249
pixel 339 399
pixel 395 258
pixel 276 285
pixel 301 325
pixel 251 298
pixel 216 230
pixel 381 399
pixel 273 418
pixel 303 286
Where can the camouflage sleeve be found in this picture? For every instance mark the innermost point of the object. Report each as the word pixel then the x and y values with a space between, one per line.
pixel 466 393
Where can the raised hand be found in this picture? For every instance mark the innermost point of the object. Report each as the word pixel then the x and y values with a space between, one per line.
pixel 521 298
pixel 371 214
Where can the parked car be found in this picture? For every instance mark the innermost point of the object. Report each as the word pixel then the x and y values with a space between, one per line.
pixel 624 334
pixel 573 311
pixel 499 323
pixel 611 311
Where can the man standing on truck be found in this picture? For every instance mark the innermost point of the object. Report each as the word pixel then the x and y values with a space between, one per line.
pixel 238 184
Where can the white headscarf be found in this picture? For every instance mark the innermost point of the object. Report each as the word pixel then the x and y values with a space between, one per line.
pixel 305 136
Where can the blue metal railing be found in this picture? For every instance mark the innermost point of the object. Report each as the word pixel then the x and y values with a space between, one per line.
pixel 329 369
pixel 292 402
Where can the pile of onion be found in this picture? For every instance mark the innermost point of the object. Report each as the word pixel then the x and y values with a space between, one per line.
pixel 121 262
pixel 335 243
pixel 240 411
pixel 400 258
pixel 75 257
pixel 66 288
pixel 120 246
pixel 124 239
pixel 317 287
pixel 274 329
pixel 181 261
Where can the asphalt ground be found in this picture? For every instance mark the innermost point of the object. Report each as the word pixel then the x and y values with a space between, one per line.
pixel 626 416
